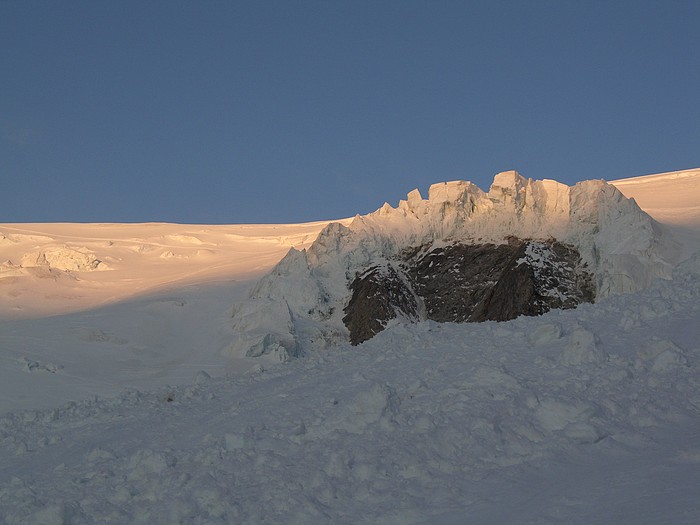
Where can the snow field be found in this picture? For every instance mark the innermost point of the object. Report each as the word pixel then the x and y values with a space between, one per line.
pixel 49 269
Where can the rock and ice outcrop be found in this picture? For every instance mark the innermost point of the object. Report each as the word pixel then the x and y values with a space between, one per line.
pixel 567 245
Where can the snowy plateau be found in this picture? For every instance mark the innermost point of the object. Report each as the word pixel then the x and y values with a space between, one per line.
pixel 188 374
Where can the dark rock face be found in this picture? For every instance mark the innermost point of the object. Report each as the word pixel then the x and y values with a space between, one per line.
pixel 468 283
pixel 377 295
pixel 455 279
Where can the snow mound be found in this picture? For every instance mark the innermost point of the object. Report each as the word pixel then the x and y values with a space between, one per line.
pixel 622 246
pixel 376 405
pixel 582 348
pixel 185 239
pixel 65 258
pixel 9 269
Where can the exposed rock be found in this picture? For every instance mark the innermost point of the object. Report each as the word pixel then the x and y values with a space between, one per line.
pixel 453 280
pixel 378 295
pixel 513 294
pixel 468 283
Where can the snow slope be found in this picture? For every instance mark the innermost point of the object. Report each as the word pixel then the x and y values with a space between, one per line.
pixel 671 198
pixel 154 310
pixel 585 416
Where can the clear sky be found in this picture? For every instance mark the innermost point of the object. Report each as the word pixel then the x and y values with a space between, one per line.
pixel 290 111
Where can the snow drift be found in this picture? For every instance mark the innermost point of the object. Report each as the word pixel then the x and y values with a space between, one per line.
pixel 301 302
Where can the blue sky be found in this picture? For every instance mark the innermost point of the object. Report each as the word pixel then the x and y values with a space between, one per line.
pixel 290 111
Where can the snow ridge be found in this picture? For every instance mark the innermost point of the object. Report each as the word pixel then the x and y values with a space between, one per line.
pixel 623 247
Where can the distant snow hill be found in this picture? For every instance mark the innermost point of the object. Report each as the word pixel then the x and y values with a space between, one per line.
pixel 547 245
pixel 57 268
pixel 671 198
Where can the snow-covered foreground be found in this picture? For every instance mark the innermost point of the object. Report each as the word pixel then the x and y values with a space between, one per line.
pixel 578 416
pixel 147 342
pixel 581 416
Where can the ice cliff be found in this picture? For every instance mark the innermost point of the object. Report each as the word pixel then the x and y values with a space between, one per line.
pixel 609 240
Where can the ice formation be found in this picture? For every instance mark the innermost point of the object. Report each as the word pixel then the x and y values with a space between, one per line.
pixel 303 298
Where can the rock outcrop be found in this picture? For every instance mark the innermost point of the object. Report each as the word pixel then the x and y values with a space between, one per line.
pixel 468 283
